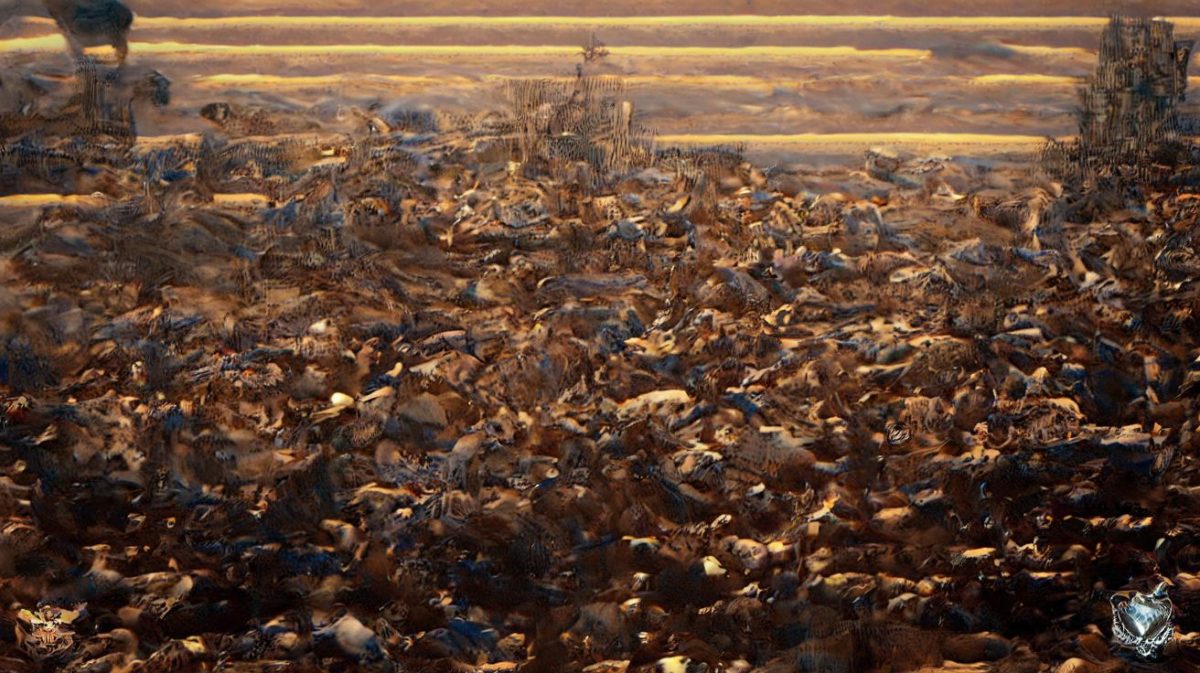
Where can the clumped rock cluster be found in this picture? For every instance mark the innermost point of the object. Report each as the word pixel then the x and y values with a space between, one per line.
pixel 394 401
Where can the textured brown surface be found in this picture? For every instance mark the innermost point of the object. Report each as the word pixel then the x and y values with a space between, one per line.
pixel 372 388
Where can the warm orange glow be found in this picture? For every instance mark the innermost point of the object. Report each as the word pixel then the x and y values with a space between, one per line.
pixel 56 42
pixel 976 141
pixel 241 200
pixel 305 81
pixel 185 138
pixel 961 23
pixel 750 20
pixel 39 200
pixel 740 82
pixel 1040 50
pixel 1050 80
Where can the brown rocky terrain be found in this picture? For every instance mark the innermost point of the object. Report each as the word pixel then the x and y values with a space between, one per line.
pixel 528 388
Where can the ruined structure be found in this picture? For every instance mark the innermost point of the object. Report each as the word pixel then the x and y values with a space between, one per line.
pixel 586 124
pixel 1130 109
pixel 98 101
pixel 1131 101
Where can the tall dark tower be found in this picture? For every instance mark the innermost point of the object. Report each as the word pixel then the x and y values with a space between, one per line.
pixel 1130 106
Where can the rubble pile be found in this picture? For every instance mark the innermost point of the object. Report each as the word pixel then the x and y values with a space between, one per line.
pixel 378 404
pixel 582 131
pixel 413 398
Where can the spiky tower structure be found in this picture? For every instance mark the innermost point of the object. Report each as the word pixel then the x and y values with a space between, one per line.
pixel 1130 107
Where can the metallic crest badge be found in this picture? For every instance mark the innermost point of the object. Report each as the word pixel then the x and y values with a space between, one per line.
pixel 1143 622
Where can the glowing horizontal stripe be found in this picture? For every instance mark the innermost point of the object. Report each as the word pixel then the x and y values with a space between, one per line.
pixel 359 80
pixel 241 200
pixel 185 138
pixel 854 139
pixel 38 200
pixel 41 200
pixel 750 20
pixel 742 82
pixel 760 139
pixel 1041 50
pixel 823 21
pixel 301 81
pixel 1052 80
pixel 56 42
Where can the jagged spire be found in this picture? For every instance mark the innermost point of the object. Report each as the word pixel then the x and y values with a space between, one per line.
pixel 1130 103
pixel 1129 109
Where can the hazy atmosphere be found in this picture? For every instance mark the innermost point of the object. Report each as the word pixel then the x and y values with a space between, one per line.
pixel 993 75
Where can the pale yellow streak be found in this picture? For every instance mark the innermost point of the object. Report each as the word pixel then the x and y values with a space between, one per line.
pixel 50 42
pixel 350 49
pixel 618 21
pixel 775 139
pixel 56 42
pixel 771 52
pixel 1041 50
pixel 303 81
pixel 1051 80
pixel 41 200
pixel 716 81
pixel 753 20
pixel 736 82
pixel 902 138
pixel 958 23
pixel 355 80
pixel 171 139
pixel 247 200
pixel 38 200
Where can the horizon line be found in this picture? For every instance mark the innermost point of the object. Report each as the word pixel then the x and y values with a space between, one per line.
pixel 1027 22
